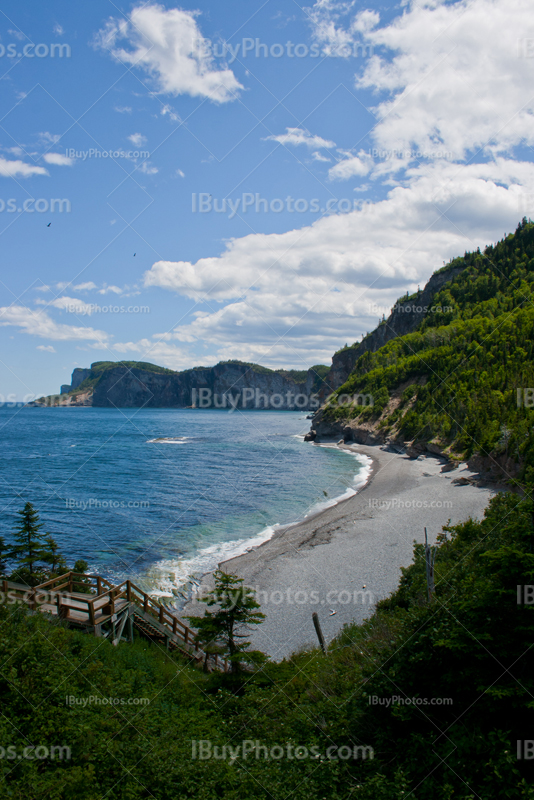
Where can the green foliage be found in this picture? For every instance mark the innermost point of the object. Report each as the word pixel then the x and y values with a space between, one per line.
pixel 466 366
pixel 53 557
pixel 31 548
pixel 36 554
pixel 225 629
pixel 472 645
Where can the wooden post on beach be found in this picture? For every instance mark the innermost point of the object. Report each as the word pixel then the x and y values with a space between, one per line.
pixel 429 559
pixel 318 631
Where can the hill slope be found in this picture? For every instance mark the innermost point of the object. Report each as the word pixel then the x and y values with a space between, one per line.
pixel 458 382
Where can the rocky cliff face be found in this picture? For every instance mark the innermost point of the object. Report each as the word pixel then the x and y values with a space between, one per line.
pixel 227 385
pixel 405 317
pixel 222 386
pixel 78 376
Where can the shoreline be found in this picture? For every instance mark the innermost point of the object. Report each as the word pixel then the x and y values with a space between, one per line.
pixel 359 473
pixel 341 560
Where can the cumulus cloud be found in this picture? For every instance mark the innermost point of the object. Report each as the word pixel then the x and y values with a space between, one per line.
pixel 335 35
pixel 298 136
pixel 19 169
pixel 351 166
pixel 168 355
pixel 39 323
pixel 71 304
pixel 46 348
pixel 308 290
pixel 454 82
pixel 459 79
pixel 58 159
pixel 166 45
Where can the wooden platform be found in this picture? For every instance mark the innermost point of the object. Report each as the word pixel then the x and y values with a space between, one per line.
pixel 93 604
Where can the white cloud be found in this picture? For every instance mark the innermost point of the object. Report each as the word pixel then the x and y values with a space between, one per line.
pixel 166 109
pixel 297 136
pixel 165 44
pixel 71 304
pixel 17 34
pixel 180 173
pixel 39 323
pixel 85 287
pixel 49 138
pixel 113 289
pixel 46 348
pixel 123 109
pixel 459 79
pixel 296 297
pixel 350 166
pixel 13 169
pixel 159 352
pixel 58 29
pixel 319 157
pixel 336 39
pixel 58 159
pixel 147 169
pixel 137 139
pixel 80 287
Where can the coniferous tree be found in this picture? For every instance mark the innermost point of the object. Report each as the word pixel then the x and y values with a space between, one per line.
pixel 226 627
pixel 53 557
pixel 30 548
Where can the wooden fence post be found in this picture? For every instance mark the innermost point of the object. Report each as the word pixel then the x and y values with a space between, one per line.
pixel 430 554
pixel 318 631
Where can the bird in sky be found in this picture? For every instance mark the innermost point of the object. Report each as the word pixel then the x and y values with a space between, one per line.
pixel 135 254
pixel 48 224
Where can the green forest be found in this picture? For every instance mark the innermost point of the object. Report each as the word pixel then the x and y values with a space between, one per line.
pixel 133 717
pixel 459 380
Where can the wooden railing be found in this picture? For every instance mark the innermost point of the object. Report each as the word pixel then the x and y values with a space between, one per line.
pixel 98 603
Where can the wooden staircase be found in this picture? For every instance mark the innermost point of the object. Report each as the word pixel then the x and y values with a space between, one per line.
pixel 93 604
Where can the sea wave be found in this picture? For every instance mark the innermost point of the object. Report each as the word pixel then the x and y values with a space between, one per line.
pixel 169 440
pixel 176 579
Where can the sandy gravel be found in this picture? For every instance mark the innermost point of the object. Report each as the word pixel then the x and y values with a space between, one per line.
pixel 349 556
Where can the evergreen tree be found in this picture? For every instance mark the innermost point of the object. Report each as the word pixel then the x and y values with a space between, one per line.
pixel 31 545
pixel 226 627
pixel 53 557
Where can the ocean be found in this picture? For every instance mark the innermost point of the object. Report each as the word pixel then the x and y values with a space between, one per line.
pixel 162 495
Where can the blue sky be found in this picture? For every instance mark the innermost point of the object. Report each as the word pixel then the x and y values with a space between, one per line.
pixel 350 149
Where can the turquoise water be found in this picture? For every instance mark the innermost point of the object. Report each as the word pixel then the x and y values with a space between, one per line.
pixel 159 511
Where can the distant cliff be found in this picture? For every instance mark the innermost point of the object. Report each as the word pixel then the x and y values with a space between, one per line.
pixel 132 384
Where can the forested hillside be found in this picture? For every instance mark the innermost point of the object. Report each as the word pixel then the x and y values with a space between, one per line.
pixel 460 379
pixel 438 693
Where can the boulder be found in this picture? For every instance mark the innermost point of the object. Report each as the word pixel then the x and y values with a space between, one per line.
pixel 310 437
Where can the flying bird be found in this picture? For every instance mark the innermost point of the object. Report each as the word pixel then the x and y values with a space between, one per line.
pixel 332 612
pixel 48 224
pixel 135 254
